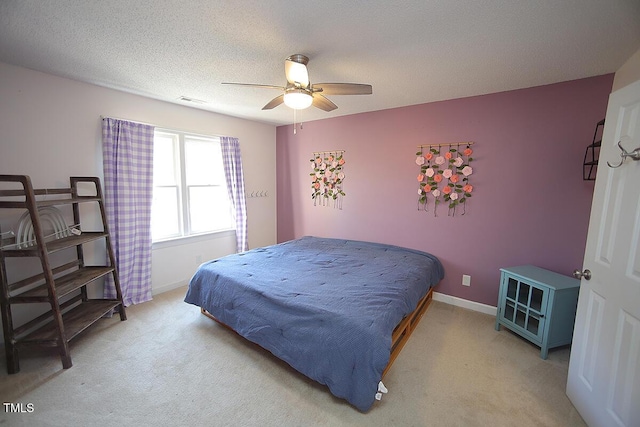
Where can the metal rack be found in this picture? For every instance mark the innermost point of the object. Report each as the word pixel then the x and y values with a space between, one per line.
pixel 592 153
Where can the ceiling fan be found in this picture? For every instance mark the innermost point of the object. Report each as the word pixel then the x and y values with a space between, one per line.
pixel 299 93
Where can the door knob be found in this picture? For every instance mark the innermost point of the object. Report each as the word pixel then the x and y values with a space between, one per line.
pixel 580 274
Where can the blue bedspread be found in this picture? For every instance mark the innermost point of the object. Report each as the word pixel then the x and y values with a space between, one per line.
pixel 327 307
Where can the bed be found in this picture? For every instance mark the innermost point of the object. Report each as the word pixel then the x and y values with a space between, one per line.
pixel 338 311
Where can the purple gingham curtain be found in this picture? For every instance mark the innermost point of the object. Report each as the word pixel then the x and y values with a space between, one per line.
pixel 128 174
pixel 235 185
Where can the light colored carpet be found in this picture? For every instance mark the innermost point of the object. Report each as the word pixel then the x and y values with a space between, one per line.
pixel 170 365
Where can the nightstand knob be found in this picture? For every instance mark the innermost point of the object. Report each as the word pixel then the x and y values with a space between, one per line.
pixel 580 274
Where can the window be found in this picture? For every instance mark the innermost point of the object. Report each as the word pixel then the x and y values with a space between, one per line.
pixel 189 188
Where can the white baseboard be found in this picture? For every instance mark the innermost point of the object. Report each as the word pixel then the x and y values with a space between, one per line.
pixel 168 287
pixel 471 305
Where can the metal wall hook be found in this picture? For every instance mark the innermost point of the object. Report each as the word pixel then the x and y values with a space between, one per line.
pixel 256 194
pixel 635 155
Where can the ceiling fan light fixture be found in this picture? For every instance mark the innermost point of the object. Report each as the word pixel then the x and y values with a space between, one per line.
pixel 299 94
pixel 297 73
pixel 298 99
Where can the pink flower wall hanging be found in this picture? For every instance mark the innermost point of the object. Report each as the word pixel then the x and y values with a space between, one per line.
pixel 444 176
pixel 327 178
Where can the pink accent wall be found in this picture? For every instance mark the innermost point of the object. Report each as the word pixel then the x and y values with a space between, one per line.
pixel 529 205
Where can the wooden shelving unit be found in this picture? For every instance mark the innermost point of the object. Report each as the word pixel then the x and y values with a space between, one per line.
pixel 63 287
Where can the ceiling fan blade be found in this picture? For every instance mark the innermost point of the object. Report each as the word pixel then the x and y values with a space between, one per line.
pixel 343 88
pixel 274 102
pixel 323 103
pixel 296 70
pixel 255 85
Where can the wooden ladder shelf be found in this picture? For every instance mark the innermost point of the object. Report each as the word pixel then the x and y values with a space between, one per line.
pixel 63 287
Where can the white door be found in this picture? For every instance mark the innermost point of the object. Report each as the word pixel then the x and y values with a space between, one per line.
pixel 604 369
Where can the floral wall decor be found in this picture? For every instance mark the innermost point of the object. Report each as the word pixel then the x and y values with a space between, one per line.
pixel 327 178
pixel 444 177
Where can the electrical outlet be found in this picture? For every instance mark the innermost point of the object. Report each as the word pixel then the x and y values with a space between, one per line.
pixel 466 280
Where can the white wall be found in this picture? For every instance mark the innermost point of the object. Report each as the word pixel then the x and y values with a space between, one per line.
pixel 50 129
pixel 628 73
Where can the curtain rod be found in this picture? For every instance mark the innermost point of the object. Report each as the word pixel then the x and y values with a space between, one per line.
pixel 449 144
pixel 129 120
pixel 163 127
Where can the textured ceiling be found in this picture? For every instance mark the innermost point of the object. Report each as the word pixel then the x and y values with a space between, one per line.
pixel 412 52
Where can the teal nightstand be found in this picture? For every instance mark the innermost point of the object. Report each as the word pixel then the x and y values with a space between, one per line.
pixel 538 304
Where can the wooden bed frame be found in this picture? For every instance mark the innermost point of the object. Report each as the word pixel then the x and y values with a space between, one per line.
pixel 400 335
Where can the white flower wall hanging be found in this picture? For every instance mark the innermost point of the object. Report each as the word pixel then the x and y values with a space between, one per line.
pixel 327 178
pixel 444 176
